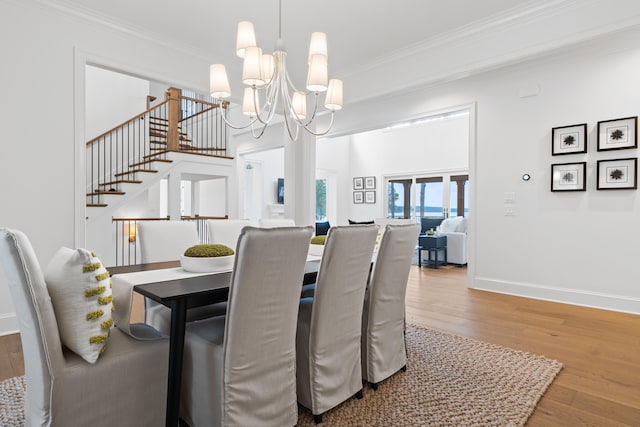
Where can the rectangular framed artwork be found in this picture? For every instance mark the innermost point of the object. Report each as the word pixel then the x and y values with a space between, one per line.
pixel 358 183
pixel 369 182
pixel 358 197
pixel 618 134
pixel 369 196
pixel 568 176
pixel 569 139
pixel 617 174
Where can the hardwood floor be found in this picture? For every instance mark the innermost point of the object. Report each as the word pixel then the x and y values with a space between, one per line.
pixel 599 384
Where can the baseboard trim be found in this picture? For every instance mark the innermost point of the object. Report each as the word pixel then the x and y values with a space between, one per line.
pixel 563 295
pixel 9 324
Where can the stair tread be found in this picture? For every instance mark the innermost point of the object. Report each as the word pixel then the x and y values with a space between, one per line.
pixel 121 181
pixel 135 171
pixel 102 193
pixel 158 118
pixel 146 162
pixel 97 205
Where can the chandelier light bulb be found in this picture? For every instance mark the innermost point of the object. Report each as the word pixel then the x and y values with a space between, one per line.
pixel 317 79
pixel 252 69
pixel 246 37
pixel 299 105
pixel 218 82
pixel 318 45
pixel 268 67
pixel 248 104
pixel 333 101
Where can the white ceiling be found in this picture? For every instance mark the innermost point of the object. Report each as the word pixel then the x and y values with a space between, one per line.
pixel 364 35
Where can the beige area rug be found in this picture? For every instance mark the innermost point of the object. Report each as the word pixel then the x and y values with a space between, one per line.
pixel 450 381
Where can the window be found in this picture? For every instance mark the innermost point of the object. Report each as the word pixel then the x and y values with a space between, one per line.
pixel 321 199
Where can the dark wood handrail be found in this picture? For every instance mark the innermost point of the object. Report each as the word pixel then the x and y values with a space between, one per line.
pixel 140 219
pixel 188 98
pixel 133 119
pixel 199 112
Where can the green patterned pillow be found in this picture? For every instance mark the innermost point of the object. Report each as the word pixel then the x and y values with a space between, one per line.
pixel 80 289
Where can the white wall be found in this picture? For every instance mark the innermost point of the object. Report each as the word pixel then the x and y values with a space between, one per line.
pixel 269 166
pixel 579 248
pixel 213 197
pixel 111 98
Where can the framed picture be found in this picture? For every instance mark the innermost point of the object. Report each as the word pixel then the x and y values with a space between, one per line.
pixel 369 196
pixel 568 176
pixel 617 174
pixel 358 197
pixel 369 182
pixel 569 139
pixel 358 183
pixel 618 134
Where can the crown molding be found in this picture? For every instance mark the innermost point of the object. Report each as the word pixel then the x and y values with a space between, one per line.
pixel 512 17
pixel 83 15
pixel 529 34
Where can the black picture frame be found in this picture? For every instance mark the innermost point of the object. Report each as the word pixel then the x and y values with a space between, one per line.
pixel 369 182
pixel 569 176
pixel 370 197
pixel 617 174
pixel 618 134
pixel 358 183
pixel 358 197
pixel 569 139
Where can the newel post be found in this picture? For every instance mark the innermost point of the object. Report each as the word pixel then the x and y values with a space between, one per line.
pixel 173 131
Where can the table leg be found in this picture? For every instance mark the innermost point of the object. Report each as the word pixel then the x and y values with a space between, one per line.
pixel 176 350
pixel 419 256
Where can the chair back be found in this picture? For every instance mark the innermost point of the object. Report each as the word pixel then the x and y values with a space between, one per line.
pixel 226 231
pixel 276 222
pixel 39 333
pixel 383 346
pixel 336 317
pixel 259 378
pixel 165 240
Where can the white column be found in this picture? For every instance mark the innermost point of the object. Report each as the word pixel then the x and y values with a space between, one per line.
pixel 174 196
pixel 300 178
pixel 195 198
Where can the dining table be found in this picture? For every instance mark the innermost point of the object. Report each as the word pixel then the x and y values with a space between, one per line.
pixel 181 294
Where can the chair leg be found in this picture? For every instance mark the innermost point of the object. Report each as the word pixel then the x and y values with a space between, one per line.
pixel 374 386
pixel 404 368
pixel 359 394
pixel 317 419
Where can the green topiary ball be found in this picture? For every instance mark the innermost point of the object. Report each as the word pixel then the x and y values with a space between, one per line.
pixel 212 250
pixel 318 240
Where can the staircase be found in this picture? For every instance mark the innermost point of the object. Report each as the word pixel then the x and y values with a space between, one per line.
pixel 128 154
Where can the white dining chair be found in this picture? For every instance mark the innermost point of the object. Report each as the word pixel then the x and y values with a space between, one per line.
pixel 226 231
pixel 126 386
pixel 276 222
pixel 330 323
pixel 240 369
pixel 166 241
pixel 383 319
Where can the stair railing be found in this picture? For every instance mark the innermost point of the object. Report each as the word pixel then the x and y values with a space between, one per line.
pixel 114 157
pixel 127 251
pixel 179 124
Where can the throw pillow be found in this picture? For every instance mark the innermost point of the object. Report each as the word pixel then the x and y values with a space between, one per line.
pixel 80 289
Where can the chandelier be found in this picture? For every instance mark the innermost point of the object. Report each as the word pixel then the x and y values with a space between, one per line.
pixel 267 82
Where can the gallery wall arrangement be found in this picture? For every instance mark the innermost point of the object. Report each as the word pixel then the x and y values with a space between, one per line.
pixel 364 189
pixel 611 174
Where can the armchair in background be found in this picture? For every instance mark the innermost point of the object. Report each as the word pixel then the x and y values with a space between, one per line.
pixel 455 228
